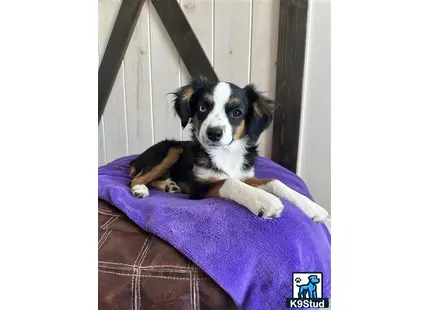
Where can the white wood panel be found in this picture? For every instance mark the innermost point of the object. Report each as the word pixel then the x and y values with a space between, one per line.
pixel 114 116
pixel 313 162
pixel 138 86
pixel 165 79
pixel 239 37
pixel 231 39
pixel 101 144
pixel 265 17
pixel 199 14
pixel 101 45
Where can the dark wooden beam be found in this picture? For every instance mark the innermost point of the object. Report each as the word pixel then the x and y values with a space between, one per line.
pixel 289 81
pixel 115 50
pixel 184 39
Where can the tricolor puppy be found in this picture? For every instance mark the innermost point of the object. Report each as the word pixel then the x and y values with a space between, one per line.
pixel 219 161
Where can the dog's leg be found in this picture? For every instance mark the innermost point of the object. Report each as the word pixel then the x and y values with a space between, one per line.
pixel 279 189
pixel 256 200
pixel 139 182
pixel 167 186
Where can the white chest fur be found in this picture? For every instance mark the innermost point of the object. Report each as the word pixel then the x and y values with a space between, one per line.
pixel 229 159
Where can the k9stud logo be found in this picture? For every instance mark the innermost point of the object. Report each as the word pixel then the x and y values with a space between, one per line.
pixel 307 291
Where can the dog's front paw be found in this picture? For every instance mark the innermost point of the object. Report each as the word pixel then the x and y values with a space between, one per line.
pixel 140 191
pixel 320 214
pixel 313 210
pixel 268 206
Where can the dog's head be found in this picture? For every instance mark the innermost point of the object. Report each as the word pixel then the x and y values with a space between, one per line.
pixel 313 279
pixel 223 112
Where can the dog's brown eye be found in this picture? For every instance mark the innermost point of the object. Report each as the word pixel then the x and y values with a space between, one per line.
pixel 236 113
pixel 203 108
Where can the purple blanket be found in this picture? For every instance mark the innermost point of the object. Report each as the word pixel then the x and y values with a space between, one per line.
pixel 252 259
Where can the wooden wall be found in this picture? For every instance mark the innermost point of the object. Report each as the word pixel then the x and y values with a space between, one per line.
pixel 238 36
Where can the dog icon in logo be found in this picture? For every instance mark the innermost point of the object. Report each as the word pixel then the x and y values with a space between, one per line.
pixel 309 289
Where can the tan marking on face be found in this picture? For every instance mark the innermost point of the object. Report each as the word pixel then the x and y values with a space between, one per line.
pixel 240 130
pixel 171 158
pixel 209 99
pixel 234 99
pixel 256 109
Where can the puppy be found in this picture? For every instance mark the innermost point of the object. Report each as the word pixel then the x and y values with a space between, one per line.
pixel 219 161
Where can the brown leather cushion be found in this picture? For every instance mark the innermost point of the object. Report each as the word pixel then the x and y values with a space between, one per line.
pixel 138 270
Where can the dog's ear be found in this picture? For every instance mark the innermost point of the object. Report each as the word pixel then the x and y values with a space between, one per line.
pixel 260 114
pixel 185 98
pixel 182 100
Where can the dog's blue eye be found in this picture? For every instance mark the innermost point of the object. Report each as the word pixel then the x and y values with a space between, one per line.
pixel 202 108
pixel 236 113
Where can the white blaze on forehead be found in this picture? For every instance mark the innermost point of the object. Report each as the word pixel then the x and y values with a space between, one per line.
pixel 217 116
pixel 222 93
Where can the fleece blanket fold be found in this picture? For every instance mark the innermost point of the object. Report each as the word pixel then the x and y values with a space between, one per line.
pixel 252 259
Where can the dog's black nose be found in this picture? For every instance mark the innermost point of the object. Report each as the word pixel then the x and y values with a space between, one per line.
pixel 214 133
